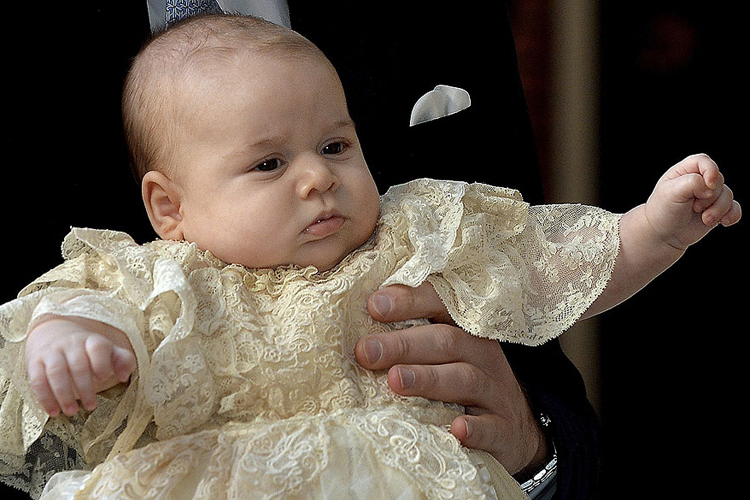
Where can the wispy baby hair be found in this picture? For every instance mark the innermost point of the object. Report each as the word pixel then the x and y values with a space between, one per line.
pixel 153 104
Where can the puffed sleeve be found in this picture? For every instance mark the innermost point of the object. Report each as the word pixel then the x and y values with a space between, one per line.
pixel 504 269
pixel 105 277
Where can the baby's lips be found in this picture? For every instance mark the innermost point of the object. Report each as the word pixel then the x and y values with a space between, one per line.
pixel 326 226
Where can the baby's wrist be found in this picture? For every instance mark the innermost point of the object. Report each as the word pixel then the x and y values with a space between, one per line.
pixel 657 237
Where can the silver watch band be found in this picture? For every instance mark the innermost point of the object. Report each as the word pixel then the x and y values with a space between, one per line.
pixel 543 484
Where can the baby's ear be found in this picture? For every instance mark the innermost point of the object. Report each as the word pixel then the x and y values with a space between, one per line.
pixel 162 200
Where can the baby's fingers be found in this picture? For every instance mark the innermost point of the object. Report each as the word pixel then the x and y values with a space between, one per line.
pixel 712 177
pixel 733 216
pixel 99 351
pixel 110 364
pixel 724 209
pixel 706 197
pixel 124 363
pixel 61 383
pixel 80 370
pixel 700 164
pixel 41 388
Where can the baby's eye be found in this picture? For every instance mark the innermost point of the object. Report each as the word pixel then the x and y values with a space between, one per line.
pixel 333 148
pixel 268 165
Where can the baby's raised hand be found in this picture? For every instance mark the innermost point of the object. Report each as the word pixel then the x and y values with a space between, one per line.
pixel 689 200
pixel 72 359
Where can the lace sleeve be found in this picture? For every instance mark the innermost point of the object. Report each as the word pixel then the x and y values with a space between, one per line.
pixel 533 286
pixel 108 278
pixel 33 446
pixel 504 270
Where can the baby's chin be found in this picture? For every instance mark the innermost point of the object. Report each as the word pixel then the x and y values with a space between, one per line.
pixel 326 260
pixel 323 265
pixel 323 255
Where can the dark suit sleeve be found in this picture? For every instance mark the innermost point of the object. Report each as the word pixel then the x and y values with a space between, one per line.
pixel 387 59
pixel 554 386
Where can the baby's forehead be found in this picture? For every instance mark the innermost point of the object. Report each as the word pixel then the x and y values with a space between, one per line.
pixel 204 60
pixel 204 71
pixel 176 78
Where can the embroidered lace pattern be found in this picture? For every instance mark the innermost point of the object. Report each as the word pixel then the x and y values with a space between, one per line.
pixel 246 384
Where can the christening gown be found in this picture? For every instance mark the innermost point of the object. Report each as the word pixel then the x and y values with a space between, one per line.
pixel 246 384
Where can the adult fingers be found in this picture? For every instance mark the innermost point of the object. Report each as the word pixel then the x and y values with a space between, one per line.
pixel 444 363
pixel 498 419
pixel 458 382
pixel 440 362
pixel 514 446
pixel 476 374
pixel 400 303
pixel 427 344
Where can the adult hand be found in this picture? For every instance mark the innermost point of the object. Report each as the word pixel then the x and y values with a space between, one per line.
pixel 442 362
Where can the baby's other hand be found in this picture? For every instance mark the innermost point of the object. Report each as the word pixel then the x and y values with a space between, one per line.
pixel 689 200
pixel 72 359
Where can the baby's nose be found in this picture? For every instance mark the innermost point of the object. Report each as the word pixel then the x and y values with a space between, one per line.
pixel 316 176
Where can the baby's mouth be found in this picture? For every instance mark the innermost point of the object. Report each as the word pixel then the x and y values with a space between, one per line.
pixel 325 225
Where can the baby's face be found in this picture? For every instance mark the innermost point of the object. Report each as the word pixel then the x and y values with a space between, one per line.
pixel 270 169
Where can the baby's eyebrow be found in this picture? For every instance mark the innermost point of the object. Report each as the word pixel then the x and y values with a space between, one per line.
pixel 344 123
pixel 262 142
pixel 252 144
pixel 259 143
pixel 242 151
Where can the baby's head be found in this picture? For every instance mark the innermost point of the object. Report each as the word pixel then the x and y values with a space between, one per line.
pixel 241 136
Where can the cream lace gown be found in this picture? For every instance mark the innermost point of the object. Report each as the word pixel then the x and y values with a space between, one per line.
pixel 246 384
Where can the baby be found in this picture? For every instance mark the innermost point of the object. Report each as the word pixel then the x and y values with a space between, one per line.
pixel 217 362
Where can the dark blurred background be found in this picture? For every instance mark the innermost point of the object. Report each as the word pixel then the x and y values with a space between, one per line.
pixel 618 92
pixel 653 81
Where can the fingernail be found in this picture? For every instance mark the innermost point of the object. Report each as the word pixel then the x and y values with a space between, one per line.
pixel 406 377
pixel 467 428
pixel 373 350
pixel 382 304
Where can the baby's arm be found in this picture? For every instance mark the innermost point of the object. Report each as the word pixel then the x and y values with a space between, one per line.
pixel 689 200
pixel 71 359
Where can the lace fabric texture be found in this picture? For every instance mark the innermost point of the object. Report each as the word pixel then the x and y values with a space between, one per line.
pixel 246 384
